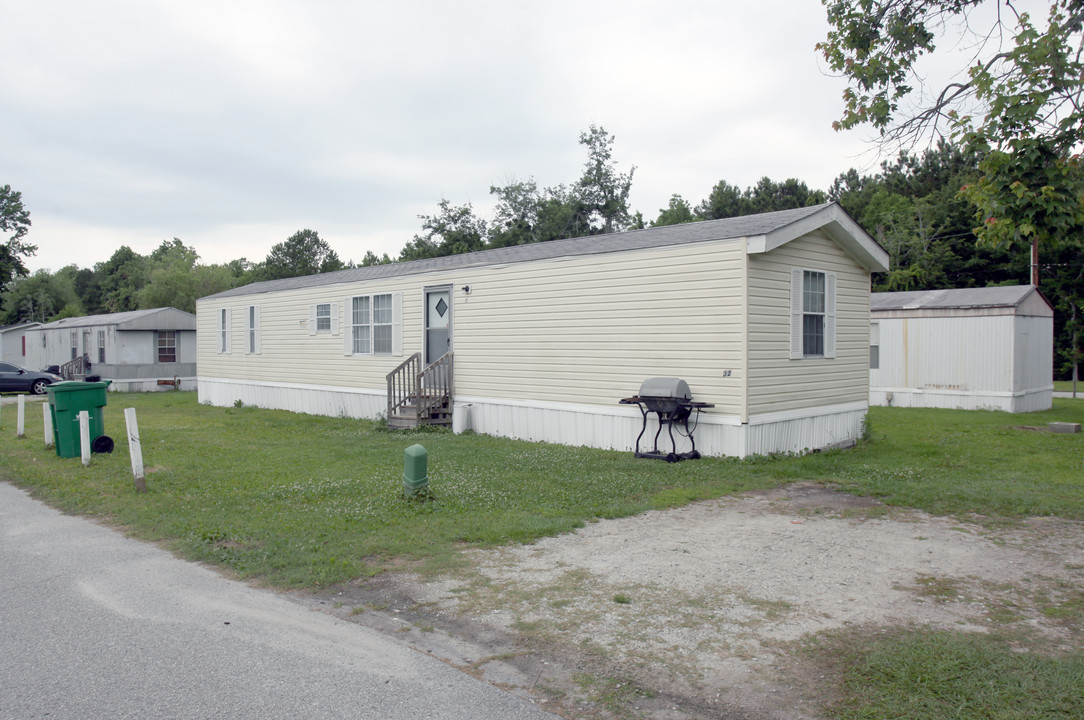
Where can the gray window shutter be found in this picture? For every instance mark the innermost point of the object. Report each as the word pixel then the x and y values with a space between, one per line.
pixel 229 330
pixel 312 319
pixel 397 324
pixel 830 315
pixel 795 313
pixel 256 330
pixel 348 326
pixel 334 318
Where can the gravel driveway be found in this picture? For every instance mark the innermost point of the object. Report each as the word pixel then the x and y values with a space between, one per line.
pixel 696 610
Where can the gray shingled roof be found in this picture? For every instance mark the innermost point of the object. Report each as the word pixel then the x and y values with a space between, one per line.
pixel 153 319
pixel 737 227
pixel 1008 296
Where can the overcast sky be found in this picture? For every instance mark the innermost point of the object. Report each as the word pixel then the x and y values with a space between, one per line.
pixel 232 124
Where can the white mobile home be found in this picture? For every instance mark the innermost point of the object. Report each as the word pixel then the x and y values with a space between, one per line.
pixel 765 316
pixel 13 343
pixel 973 348
pixel 134 349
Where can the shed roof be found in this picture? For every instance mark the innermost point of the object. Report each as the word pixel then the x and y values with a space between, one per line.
pixel 18 326
pixel 765 231
pixel 167 318
pixel 961 299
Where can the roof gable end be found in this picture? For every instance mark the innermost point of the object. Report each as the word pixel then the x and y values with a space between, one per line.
pixel 838 225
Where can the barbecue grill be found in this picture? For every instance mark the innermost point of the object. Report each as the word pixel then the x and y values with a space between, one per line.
pixel 672 401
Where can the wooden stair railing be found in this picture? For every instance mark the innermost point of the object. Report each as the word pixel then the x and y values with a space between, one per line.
pixel 420 396
pixel 74 369
pixel 435 384
pixel 403 384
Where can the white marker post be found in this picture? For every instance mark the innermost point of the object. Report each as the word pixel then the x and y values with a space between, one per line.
pixel 135 449
pixel 20 418
pixel 47 423
pixel 84 436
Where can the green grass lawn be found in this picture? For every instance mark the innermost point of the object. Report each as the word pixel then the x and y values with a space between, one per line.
pixel 297 500
pixel 1067 386
pixel 294 500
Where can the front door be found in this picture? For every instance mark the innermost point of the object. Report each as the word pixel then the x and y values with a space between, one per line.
pixel 438 323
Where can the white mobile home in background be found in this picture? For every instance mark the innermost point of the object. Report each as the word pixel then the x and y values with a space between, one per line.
pixel 765 316
pixel 974 348
pixel 13 343
pixel 134 349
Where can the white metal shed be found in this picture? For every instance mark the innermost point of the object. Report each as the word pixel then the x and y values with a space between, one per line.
pixel 13 342
pixel 972 348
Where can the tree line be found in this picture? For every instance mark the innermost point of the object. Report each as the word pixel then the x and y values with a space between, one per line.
pixel 912 206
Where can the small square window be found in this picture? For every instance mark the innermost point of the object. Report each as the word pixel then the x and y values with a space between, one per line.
pixel 323 317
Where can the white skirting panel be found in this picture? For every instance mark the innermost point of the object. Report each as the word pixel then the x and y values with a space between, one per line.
pixel 801 432
pixel 1024 401
pixel 151 385
pixel 309 399
pixel 614 428
pixel 617 428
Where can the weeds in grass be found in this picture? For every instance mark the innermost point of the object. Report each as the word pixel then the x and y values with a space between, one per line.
pixel 922 675
pixel 617 695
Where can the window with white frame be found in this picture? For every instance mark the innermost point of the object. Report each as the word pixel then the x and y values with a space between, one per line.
pixel 252 330
pixel 361 325
pixel 875 346
pixel 167 346
pixel 812 314
pixel 75 344
pixel 374 325
pixel 225 317
pixel 382 325
pixel 101 346
pixel 323 317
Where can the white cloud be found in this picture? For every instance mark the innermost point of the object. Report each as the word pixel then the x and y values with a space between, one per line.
pixel 232 125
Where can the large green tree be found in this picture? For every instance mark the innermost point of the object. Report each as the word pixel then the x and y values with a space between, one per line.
pixel 303 253
pixel 41 297
pixel 1020 110
pixel 603 189
pixel 119 280
pixel 453 230
pixel 726 200
pixel 176 279
pixel 677 212
pixel 14 224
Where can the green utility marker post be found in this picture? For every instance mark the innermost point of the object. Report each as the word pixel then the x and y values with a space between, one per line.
pixel 415 471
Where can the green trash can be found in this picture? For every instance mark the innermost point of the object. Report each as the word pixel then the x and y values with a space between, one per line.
pixel 66 400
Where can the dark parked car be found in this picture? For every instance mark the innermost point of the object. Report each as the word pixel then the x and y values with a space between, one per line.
pixel 16 379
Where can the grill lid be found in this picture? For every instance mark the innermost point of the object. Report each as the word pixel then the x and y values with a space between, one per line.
pixel 673 388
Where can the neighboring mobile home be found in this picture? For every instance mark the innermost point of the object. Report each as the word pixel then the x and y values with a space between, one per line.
pixel 974 348
pixel 766 317
pixel 13 343
pixel 134 349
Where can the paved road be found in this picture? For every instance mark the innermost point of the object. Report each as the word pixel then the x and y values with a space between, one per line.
pixel 95 625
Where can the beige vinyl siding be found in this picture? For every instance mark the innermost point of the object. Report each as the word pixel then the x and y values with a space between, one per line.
pixel 778 383
pixel 288 352
pixel 585 330
pixel 591 329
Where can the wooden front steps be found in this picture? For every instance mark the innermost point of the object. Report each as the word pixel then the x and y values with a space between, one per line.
pixel 420 396
pixel 406 416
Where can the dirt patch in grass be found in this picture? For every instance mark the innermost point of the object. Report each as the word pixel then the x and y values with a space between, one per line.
pixel 698 612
